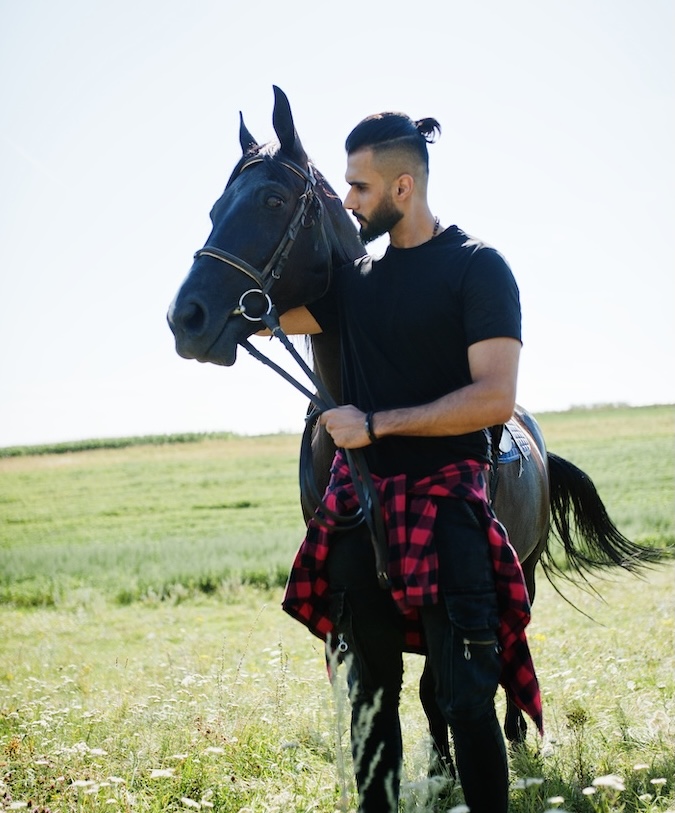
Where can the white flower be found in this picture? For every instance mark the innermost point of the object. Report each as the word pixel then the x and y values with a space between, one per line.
pixel 161 773
pixel 527 782
pixel 659 781
pixel 190 803
pixel 610 781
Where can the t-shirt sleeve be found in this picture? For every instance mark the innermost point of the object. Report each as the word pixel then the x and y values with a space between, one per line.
pixel 491 298
pixel 326 311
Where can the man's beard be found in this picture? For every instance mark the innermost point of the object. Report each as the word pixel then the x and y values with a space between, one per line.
pixel 382 220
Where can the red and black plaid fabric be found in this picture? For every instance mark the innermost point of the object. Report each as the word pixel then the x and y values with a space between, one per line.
pixel 409 511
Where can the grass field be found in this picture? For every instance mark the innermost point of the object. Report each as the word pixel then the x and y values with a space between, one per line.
pixel 145 664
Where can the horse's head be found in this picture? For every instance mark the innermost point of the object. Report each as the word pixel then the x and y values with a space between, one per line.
pixel 274 240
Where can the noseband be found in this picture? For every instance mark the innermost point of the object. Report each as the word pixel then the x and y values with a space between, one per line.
pixel 272 271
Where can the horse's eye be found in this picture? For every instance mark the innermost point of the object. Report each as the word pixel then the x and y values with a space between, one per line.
pixel 274 201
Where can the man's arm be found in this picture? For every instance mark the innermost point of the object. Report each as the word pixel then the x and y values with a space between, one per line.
pixel 297 321
pixel 488 400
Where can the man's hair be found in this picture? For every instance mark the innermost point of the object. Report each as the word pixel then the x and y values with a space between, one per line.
pixel 390 131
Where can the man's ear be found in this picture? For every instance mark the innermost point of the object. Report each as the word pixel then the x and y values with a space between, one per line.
pixel 403 186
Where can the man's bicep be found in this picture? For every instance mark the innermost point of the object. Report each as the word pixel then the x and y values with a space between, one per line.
pixel 299 321
pixel 495 362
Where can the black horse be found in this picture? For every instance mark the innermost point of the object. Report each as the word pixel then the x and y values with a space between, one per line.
pixel 279 232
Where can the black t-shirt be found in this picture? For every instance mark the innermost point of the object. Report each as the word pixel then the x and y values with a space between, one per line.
pixel 406 322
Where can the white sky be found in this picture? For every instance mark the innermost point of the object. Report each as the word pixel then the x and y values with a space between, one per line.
pixel 118 130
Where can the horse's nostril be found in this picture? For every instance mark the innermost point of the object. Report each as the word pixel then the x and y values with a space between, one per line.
pixel 193 318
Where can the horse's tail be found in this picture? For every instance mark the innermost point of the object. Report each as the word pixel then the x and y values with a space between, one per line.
pixel 579 520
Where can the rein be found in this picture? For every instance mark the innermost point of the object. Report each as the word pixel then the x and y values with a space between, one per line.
pixel 369 508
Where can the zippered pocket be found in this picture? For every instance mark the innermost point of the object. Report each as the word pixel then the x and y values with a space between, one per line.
pixel 468 643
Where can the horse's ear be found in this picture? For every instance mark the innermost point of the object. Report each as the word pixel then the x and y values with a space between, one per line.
pixel 282 119
pixel 248 143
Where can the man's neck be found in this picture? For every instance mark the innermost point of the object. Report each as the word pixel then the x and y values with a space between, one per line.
pixel 412 231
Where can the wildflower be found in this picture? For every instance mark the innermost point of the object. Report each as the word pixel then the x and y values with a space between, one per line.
pixel 657 782
pixel 82 783
pixel 645 797
pixel 589 791
pixel 610 781
pixel 641 766
pixel 555 800
pixel 213 749
pixel 190 803
pixel 161 773
pixel 527 782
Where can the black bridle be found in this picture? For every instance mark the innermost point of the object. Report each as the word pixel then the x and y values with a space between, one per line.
pixel 274 267
pixel 369 508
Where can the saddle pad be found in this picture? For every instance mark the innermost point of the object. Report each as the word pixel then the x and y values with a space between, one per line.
pixel 513 444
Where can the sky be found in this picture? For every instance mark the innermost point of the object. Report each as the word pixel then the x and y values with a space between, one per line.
pixel 119 129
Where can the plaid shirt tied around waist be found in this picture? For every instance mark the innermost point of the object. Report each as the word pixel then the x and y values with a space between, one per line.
pixel 409 511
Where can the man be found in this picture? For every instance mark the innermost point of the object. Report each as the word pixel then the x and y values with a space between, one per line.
pixel 430 348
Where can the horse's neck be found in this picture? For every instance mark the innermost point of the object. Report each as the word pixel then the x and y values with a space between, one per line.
pixel 326 352
pixel 345 246
pixel 343 237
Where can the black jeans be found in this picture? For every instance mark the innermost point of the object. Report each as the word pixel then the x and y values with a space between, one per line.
pixel 461 638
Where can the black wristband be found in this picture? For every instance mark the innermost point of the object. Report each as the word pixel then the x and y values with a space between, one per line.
pixel 369 428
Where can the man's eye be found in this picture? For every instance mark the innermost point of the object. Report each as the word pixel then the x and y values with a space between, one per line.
pixel 274 201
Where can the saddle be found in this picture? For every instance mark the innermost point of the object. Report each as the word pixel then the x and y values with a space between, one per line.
pixel 507 444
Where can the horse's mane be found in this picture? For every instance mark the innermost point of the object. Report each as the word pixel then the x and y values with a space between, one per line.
pixel 346 243
pixel 347 239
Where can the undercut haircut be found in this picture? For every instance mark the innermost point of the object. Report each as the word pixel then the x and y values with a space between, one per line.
pixel 384 132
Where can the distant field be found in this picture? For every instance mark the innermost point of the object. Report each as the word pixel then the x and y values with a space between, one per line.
pixel 154 519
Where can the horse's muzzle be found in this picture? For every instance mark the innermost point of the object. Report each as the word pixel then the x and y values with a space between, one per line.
pixel 197 337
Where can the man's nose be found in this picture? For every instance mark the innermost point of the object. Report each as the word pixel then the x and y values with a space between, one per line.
pixel 348 202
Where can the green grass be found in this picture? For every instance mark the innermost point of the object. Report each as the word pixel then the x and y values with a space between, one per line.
pixel 166 520
pixel 148 520
pixel 145 664
pixel 231 700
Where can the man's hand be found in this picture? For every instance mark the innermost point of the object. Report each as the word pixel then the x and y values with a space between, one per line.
pixel 347 426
